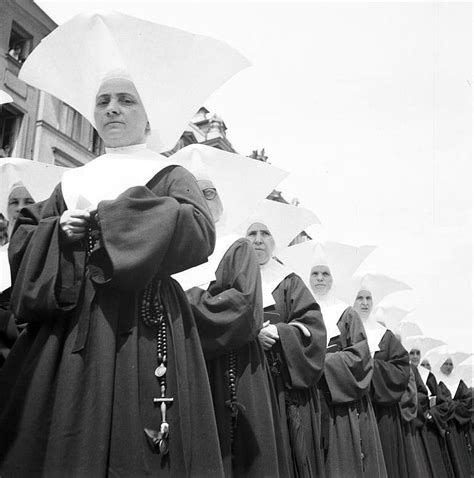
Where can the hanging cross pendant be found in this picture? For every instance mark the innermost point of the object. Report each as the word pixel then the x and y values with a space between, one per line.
pixel 162 442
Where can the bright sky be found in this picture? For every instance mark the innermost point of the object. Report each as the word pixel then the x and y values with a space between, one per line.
pixel 369 106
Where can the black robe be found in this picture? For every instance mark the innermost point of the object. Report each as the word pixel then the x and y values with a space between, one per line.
pixel 464 417
pixel 418 464
pixel 229 316
pixel 389 382
pixel 297 364
pixel 431 450
pixel 458 425
pixel 77 389
pixel 350 434
pixel 437 427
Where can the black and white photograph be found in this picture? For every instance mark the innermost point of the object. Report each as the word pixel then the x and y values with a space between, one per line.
pixel 236 239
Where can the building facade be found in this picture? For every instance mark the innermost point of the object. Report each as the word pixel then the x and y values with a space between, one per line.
pixel 36 125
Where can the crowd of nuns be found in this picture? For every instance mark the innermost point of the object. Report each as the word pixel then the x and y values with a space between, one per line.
pixel 156 321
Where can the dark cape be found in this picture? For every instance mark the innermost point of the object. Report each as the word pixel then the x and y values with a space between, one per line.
pixel 457 430
pixel 437 426
pixel 350 435
pixel 464 417
pixel 77 389
pixel 418 463
pixel 229 316
pixel 297 364
pixel 430 447
pixel 389 382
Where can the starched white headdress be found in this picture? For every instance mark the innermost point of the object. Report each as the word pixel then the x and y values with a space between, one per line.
pixel 408 328
pixel 390 316
pixel 284 221
pixel 379 285
pixel 437 356
pixel 342 260
pixel 421 342
pixel 242 183
pixel 38 178
pixel 465 370
pixel 174 71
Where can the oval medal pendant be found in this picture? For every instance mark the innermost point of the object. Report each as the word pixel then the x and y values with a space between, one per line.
pixel 163 446
pixel 160 370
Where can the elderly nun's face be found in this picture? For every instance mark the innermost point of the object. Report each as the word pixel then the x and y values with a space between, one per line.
pixel 415 357
pixel 262 240
pixel 320 280
pixel 425 363
pixel 363 304
pixel 447 366
pixel 119 114
pixel 19 198
pixel 212 198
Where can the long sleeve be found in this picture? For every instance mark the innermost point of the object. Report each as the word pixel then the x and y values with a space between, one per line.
pixel 153 231
pixel 423 401
pixel 348 372
pixel 463 400
pixel 409 401
pixel 47 276
pixel 391 371
pixel 444 409
pixel 432 384
pixel 303 356
pixel 230 313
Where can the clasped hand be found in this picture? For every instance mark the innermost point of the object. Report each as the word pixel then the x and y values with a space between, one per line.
pixel 268 335
pixel 73 223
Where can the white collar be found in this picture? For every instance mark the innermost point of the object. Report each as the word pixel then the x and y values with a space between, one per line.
pixel 273 272
pixel 109 175
pixel 375 331
pixel 332 309
pixel 424 373
pixel 130 149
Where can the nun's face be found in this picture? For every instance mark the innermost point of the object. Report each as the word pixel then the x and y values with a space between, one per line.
pixel 363 304
pixel 18 199
pixel 212 198
pixel 320 280
pixel 119 114
pixel 262 240
pixel 425 363
pixel 415 357
pixel 447 367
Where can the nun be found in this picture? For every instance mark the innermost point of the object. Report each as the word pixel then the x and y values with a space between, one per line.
pixel 109 377
pixel 421 427
pixel 226 300
pixel 391 369
pixel 293 335
pixel 18 177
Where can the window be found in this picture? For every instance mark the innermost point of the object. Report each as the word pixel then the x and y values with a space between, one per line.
pixel 63 159
pixel 96 145
pixel 76 127
pixel 70 122
pixel 19 45
pixel 10 122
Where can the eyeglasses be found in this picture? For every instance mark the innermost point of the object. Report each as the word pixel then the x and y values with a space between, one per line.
pixel 209 193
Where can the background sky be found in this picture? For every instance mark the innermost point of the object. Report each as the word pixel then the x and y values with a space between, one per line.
pixel 369 106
